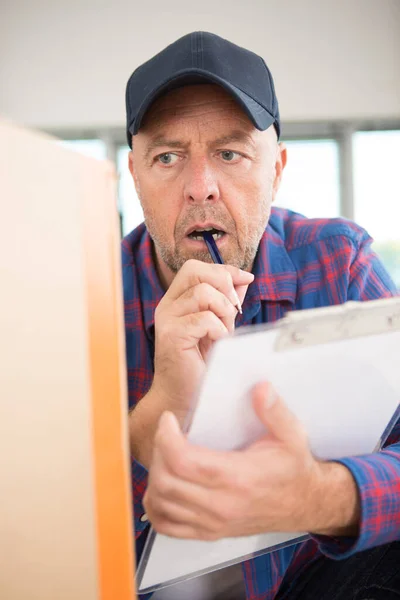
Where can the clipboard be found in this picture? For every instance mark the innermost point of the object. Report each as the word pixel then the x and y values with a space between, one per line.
pixel 348 355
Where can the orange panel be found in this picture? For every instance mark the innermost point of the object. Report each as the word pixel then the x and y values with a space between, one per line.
pixel 109 395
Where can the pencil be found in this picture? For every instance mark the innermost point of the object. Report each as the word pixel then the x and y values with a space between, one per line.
pixel 215 255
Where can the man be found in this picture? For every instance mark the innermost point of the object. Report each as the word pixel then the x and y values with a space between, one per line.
pixel 203 124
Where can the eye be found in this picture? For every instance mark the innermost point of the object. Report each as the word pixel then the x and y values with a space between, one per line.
pixel 229 155
pixel 167 158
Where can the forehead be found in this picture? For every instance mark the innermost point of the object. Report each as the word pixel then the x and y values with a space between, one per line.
pixel 206 104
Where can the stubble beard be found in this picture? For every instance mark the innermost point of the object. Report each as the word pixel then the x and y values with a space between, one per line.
pixel 241 256
pixel 244 255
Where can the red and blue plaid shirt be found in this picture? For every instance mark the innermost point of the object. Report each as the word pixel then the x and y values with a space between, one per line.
pixel 301 263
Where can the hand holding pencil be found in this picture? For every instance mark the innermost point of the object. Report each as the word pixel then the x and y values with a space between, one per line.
pixel 199 307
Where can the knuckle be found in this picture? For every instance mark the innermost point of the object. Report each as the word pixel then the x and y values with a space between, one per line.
pixel 227 278
pixel 210 536
pixel 243 483
pixel 155 509
pixel 190 264
pixel 190 271
pixel 208 471
pixel 227 512
pixel 185 268
pixel 163 486
pixel 202 291
pixel 181 466
pixel 219 324
pixel 194 319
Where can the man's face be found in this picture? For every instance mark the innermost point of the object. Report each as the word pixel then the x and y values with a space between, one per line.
pixel 198 162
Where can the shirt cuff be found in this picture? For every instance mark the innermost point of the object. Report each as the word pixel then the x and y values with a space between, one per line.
pixel 378 480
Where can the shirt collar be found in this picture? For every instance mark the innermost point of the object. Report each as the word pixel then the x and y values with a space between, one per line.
pixel 275 275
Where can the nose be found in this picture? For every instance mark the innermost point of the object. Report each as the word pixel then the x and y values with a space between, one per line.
pixel 201 183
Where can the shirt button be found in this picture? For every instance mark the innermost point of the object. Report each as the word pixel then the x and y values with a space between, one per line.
pixel 144 518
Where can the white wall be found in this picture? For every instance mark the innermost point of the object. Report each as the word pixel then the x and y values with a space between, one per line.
pixel 65 63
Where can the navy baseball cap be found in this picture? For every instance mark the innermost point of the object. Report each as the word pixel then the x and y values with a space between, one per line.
pixel 202 57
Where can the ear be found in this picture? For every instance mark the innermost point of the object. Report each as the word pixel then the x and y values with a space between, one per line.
pixel 130 164
pixel 280 164
pixel 132 170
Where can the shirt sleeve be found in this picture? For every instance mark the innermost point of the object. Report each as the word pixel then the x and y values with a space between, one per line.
pixel 368 278
pixel 378 480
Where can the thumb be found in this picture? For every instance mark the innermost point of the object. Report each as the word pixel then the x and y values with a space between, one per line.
pixel 279 421
pixel 169 439
pixel 241 291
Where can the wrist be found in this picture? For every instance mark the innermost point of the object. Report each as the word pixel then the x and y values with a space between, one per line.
pixel 143 423
pixel 164 400
pixel 335 508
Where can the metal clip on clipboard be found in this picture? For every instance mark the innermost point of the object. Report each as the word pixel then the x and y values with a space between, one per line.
pixel 345 321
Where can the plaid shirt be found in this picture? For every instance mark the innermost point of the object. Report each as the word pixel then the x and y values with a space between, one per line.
pixel 301 263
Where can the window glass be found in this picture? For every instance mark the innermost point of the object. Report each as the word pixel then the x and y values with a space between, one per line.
pixel 377 193
pixel 129 205
pixel 310 181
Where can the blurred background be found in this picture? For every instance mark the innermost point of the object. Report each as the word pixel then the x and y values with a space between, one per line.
pixel 336 66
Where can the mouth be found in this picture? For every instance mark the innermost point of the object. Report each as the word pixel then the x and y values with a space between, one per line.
pixel 197 233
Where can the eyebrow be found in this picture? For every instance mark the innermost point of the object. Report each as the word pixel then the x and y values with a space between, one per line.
pixel 161 142
pixel 235 136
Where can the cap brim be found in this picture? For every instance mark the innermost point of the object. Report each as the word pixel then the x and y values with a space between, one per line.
pixel 259 116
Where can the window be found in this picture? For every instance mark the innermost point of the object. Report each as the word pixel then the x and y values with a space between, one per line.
pixel 377 193
pixel 310 181
pixel 129 205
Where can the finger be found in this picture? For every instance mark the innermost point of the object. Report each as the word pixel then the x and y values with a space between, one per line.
pixel 241 291
pixel 272 411
pixel 190 463
pixel 169 433
pixel 187 532
pixel 185 333
pixel 160 509
pixel 189 330
pixel 204 297
pixel 222 277
pixel 180 472
pixel 168 496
